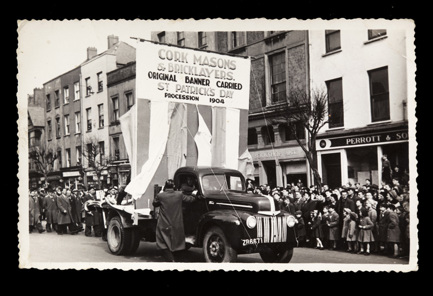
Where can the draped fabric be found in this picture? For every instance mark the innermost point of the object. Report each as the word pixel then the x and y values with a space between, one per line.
pixel 203 140
pixel 211 135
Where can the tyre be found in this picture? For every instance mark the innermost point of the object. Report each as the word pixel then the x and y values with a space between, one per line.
pixel 135 241
pixel 118 238
pixel 276 254
pixel 216 247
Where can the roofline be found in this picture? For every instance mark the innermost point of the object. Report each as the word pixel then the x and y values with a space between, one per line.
pixel 58 76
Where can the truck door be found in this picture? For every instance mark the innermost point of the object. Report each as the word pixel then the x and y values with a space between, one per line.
pixel 191 211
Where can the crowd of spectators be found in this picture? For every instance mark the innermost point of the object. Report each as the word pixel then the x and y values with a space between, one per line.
pixel 70 211
pixel 357 218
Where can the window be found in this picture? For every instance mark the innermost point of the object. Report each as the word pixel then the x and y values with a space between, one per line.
pixel 129 100
pixel 66 125
pixel 90 155
pixel 68 157
pixel 277 65
pixel 161 37
pixel 66 95
pixel 89 118
pixel 116 148
pixel 252 136
pixel 101 115
pixel 268 134
pixel 181 38
pixel 77 122
pixel 202 41
pixel 59 157
pixel 379 94
pixel 48 102
pixel 237 39
pixel 116 109
pixel 50 129
pixel 332 40
pixel 58 127
pixel 76 91
pixel 101 153
pixel 79 155
pixel 100 85
pixel 56 99
pixel 335 103
pixel 88 87
pixel 375 33
pixel 289 134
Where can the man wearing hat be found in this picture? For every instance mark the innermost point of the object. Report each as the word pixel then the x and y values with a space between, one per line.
pixel 76 208
pixel 34 213
pixel 51 209
pixel 92 217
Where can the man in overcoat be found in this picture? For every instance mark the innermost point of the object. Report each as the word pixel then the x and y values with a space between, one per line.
pixel 170 234
pixel 51 211
pixel 64 217
pixel 76 207
pixel 34 213
pixel 92 218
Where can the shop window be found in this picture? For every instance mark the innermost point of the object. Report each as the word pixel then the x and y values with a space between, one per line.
pixel 268 134
pixel 277 65
pixel 161 37
pixel 335 103
pixel 333 41
pixel 252 136
pixel 288 134
pixel 379 94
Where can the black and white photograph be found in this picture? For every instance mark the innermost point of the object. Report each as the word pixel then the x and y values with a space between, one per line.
pixel 217 144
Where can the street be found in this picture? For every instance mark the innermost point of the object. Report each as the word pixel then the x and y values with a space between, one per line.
pixel 53 248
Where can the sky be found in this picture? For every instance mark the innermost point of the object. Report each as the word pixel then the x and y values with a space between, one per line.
pixel 47 49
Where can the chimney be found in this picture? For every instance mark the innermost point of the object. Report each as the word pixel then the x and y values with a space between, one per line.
pixel 91 52
pixel 112 40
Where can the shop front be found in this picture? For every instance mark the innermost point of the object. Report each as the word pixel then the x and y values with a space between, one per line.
pixel 356 156
pixel 280 166
pixel 72 178
pixel 92 179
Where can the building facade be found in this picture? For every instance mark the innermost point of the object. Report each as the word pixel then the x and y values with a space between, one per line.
pixel 365 75
pixel 36 134
pixel 121 97
pixel 96 140
pixel 279 64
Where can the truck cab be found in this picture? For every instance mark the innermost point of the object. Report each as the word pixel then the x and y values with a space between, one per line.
pixel 225 220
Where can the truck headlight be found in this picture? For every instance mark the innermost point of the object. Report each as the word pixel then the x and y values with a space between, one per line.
pixel 251 222
pixel 291 221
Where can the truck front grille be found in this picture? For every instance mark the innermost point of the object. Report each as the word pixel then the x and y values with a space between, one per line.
pixel 272 229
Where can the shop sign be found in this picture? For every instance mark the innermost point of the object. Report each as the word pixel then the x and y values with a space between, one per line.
pixel 362 140
pixel 281 153
pixel 71 174
pixel 184 75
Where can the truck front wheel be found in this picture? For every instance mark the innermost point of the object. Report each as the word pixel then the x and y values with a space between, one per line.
pixel 119 239
pixel 276 254
pixel 216 247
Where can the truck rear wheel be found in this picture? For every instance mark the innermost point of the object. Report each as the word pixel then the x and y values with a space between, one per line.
pixel 119 239
pixel 216 247
pixel 276 254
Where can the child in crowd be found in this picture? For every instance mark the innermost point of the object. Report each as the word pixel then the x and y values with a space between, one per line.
pixel 332 223
pixel 300 229
pixel 365 236
pixel 352 233
pixel 316 228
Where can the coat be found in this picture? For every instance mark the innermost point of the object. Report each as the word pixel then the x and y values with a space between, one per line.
pixel 170 233
pixel 345 227
pixel 316 227
pixel 76 208
pixel 34 210
pixel 92 217
pixel 393 230
pixel 372 214
pixel 352 231
pixel 64 212
pixel 51 209
pixel 300 227
pixel 334 230
pixel 365 234
pixel 383 227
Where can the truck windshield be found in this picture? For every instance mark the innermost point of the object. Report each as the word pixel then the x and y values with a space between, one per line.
pixel 221 182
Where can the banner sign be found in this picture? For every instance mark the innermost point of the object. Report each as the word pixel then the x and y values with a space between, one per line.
pixel 360 140
pixel 192 76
